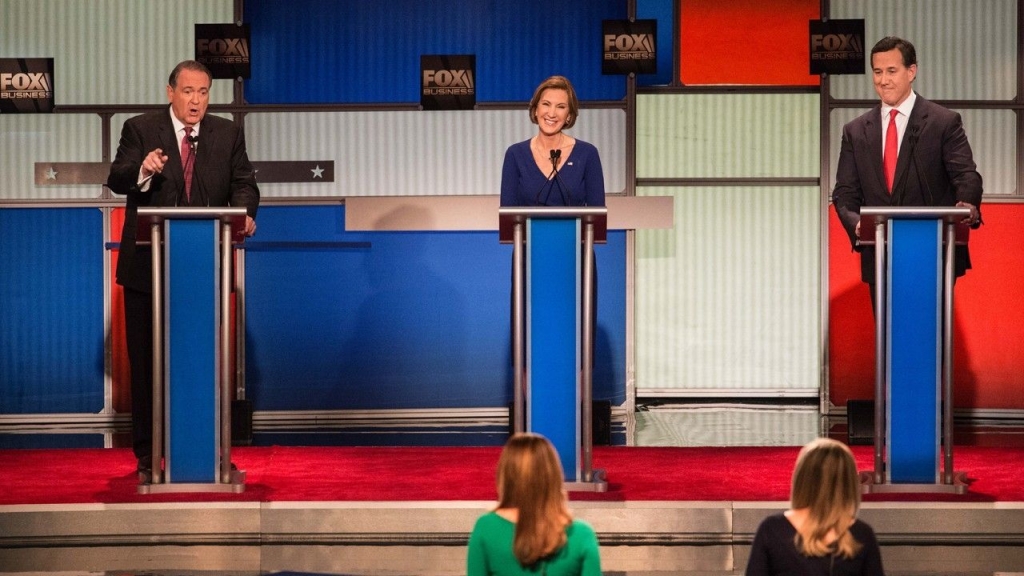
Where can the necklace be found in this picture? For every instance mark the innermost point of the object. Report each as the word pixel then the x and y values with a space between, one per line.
pixel 541 156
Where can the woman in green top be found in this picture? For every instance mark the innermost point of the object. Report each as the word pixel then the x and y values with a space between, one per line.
pixel 531 531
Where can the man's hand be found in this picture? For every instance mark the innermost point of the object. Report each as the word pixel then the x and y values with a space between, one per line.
pixel 153 163
pixel 975 218
pixel 250 226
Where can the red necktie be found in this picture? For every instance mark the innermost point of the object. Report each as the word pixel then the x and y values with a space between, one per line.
pixel 188 161
pixel 891 151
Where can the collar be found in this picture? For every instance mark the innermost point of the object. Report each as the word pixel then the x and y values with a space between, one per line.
pixel 179 126
pixel 905 107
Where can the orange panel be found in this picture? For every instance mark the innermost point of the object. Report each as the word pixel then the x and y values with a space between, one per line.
pixel 746 42
pixel 121 375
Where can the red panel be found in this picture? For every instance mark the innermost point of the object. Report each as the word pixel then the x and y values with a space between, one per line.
pixel 119 352
pixel 988 318
pixel 746 42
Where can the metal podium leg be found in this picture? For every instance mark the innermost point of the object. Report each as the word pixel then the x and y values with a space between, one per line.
pixel 225 354
pixel 947 357
pixel 518 382
pixel 880 320
pixel 157 449
pixel 587 392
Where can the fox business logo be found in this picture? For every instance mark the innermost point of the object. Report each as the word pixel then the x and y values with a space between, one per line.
pixel 628 46
pixel 22 85
pixel 222 50
pixel 837 47
pixel 448 83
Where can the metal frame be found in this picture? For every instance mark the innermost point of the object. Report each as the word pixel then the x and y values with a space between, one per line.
pixel 232 225
pixel 594 220
pixel 873 231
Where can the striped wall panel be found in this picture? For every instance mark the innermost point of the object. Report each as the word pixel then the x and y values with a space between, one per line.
pixel 728 301
pixel 417 153
pixel 966 50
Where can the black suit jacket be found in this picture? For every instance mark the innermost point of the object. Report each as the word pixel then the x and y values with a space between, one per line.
pixel 222 176
pixel 935 168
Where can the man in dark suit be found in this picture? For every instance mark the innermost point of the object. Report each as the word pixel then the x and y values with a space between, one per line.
pixel 174 157
pixel 922 144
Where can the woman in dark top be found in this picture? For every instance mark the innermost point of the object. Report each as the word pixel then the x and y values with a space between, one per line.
pixel 820 533
pixel 552 168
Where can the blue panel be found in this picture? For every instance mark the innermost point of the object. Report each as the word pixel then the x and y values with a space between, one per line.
pixel 353 51
pixel 51 310
pixel 915 351
pixel 49 441
pixel 553 336
pixel 191 332
pixel 355 320
pixel 663 12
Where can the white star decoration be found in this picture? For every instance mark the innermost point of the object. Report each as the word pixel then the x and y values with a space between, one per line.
pixel 51 174
pixel 318 172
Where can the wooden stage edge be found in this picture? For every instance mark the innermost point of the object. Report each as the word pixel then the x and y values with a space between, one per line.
pixel 430 537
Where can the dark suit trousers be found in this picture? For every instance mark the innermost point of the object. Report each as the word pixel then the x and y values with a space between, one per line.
pixel 138 320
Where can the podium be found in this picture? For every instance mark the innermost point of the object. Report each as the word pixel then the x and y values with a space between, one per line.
pixel 191 256
pixel 914 273
pixel 553 329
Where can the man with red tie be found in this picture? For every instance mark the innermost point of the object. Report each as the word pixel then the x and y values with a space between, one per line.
pixel 906 151
pixel 176 156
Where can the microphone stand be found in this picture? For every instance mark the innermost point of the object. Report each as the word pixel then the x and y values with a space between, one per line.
pixel 562 187
pixel 193 142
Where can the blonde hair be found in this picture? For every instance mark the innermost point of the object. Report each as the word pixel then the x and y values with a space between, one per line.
pixel 530 480
pixel 556 83
pixel 825 482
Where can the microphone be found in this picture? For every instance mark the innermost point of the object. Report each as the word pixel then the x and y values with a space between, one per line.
pixel 562 188
pixel 192 141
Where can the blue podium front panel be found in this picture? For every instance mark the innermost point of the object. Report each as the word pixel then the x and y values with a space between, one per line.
pixel 553 336
pixel 191 313
pixel 914 350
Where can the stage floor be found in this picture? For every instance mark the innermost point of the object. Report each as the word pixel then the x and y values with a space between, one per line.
pixel 402 510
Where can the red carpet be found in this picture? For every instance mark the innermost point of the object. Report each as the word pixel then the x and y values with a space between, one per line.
pixel 412 473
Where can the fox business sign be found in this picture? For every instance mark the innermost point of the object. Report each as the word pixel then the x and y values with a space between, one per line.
pixel 837 46
pixel 26 85
pixel 628 47
pixel 224 49
pixel 448 82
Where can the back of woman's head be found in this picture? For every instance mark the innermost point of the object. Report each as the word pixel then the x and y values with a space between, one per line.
pixel 530 480
pixel 825 482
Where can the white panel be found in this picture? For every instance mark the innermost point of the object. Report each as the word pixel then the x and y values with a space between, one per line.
pixel 729 298
pixel 29 138
pixel 110 51
pixel 417 153
pixel 966 49
pixel 993 138
pixel 727 135
pixel 726 426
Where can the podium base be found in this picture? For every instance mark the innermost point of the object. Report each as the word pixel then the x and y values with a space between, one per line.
pixel 596 484
pixel 958 485
pixel 236 485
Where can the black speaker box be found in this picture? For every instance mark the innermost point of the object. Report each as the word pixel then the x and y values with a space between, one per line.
pixel 860 422
pixel 241 422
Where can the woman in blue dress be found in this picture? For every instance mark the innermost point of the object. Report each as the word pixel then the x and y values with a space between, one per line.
pixel 552 168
